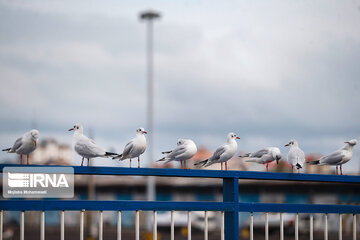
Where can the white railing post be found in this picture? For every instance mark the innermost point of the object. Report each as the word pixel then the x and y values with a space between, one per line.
pixel 172 226
pixel 189 225
pixel 222 225
pixel 354 227
pixel 119 226
pixel 311 227
pixel 206 225
pixel 326 228
pixel 22 225
pixel 297 226
pixel 137 225
pixel 42 225
pixel 82 224
pixel 281 226
pixel 62 225
pixel 155 226
pixel 340 226
pixel 251 226
pixel 101 225
pixel 266 226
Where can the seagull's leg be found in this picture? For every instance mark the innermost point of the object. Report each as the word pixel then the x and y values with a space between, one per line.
pixel 184 164
pixel 138 161
pixel 130 162
pixel 221 167
pixel 341 169
pixel 20 159
pixel 27 159
pixel 337 171
pixel 88 161
pixel 226 166
pixel 267 167
pixel 82 162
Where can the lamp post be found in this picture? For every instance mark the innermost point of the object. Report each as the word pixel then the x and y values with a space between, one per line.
pixel 149 16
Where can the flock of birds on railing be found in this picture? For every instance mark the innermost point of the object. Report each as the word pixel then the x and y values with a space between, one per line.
pixel 185 150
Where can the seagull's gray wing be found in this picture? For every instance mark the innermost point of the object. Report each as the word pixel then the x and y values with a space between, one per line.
pixel 128 148
pixel 17 144
pixel 259 153
pixel 332 159
pixel 217 154
pixel 177 151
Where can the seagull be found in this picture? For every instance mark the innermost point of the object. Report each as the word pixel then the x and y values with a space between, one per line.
pixel 25 145
pixel 296 156
pixel 87 147
pixel 185 150
pixel 264 156
pixel 135 147
pixel 223 153
pixel 339 157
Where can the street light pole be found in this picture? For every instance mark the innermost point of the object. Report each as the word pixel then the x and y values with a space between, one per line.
pixel 149 17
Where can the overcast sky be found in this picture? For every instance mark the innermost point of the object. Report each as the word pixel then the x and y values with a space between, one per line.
pixel 266 70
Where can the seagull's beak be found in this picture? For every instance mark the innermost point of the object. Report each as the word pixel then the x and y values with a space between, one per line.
pixel 145 132
pixel 71 129
pixel 35 142
pixel 287 145
pixel 347 142
pixel 237 138
pixel 277 161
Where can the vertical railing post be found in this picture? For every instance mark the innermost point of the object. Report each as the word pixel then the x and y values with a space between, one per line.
pixel 231 194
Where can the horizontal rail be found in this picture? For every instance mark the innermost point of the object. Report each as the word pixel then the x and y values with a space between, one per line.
pixel 78 205
pixel 195 173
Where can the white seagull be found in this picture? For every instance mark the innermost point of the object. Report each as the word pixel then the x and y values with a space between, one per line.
pixel 296 156
pixel 223 153
pixel 25 145
pixel 264 156
pixel 339 157
pixel 185 150
pixel 135 147
pixel 87 147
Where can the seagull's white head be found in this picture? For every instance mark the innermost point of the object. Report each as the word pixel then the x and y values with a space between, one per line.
pixel 292 142
pixel 352 142
pixel 232 136
pixel 141 131
pixel 34 134
pixel 180 141
pixel 77 128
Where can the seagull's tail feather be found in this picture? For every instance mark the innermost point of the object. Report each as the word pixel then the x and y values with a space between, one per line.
pixel 118 156
pixel 202 163
pixel 298 166
pixel 164 159
pixel 167 152
pixel 245 155
pixel 316 162
pixel 110 154
pixel 7 149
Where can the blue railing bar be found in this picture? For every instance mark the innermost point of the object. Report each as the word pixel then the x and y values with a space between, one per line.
pixel 166 172
pixel 87 205
pixel 78 205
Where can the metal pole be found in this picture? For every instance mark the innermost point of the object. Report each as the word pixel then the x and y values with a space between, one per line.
pixel 189 225
pixel 251 226
pixel 311 227
pixel 155 225
pixel 101 226
pixel 326 228
pixel 22 225
pixel 340 226
pixel 119 226
pixel 149 16
pixel 266 226
pixel 137 225
pixel 42 225
pixel 206 225
pixel 354 227
pixel 172 231
pixel 1 224
pixel 297 226
pixel 62 225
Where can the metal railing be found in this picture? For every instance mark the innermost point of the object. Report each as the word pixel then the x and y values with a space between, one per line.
pixel 229 207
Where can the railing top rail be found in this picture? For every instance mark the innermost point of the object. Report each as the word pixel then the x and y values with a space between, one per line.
pixel 194 173
pixel 78 205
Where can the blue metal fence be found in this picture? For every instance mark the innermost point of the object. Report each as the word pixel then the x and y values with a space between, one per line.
pixel 230 204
